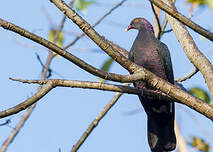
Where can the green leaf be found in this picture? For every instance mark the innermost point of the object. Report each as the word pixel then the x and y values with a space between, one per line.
pixel 82 5
pixel 200 144
pixel 200 93
pixel 51 37
pixel 60 40
pixel 105 67
pixel 199 2
pixel 202 2
pixel 210 3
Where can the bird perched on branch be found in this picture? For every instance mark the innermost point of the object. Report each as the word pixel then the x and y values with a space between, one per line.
pixel 150 53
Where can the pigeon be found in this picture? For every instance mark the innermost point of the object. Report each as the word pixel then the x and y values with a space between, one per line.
pixel 150 53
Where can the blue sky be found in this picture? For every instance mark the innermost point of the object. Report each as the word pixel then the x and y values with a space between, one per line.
pixel 62 115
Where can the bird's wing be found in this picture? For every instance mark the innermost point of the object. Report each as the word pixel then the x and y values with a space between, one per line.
pixel 166 58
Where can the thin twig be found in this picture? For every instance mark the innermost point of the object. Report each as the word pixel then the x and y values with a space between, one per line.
pixel 6 122
pixel 96 121
pixel 163 27
pixel 167 31
pixel 26 115
pixel 156 19
pixel 187 76
pixel 104 16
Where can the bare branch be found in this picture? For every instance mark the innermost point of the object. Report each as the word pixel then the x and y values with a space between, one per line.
pixel 173 12
pixel 22 106
pixel 150 78
pixel 52 83
pixel 104 16
pixel 142 73
pixel 152 94
pixel 74 59
pixel 196 57
pixel 190 101
pixel 96 121
pixel 99 40
pixel 187 76
pixel 157 27
pixel 163 27
pixel 27 114
pixel 84 85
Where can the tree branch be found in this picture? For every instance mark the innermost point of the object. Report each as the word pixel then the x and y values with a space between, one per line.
pixel 157 26
pixel 29 111
pixel 173 12
pixel 104 16
pixel 22 106
pixel 149 77
pixel 72 58
pixel 99 40
pixel 142 73
pixel 191 50
pixel 52 83
pixel 96 121
pixel 163 27
pixel 187 76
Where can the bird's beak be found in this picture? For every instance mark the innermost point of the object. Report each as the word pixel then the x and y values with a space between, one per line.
pixel 128 28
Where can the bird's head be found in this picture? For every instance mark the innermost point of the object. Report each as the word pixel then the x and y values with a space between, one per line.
pixel 140 24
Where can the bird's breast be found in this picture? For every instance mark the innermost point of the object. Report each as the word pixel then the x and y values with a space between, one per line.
pixel 150 59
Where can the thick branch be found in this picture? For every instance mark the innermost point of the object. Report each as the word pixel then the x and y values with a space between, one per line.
pixel 99 40
pixel 173 12
pixel 150 78
pixel 70 57
pixel 144 74
pixel 190 48
pixel 105 15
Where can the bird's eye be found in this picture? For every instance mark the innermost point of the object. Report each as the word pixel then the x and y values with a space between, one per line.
pixel 136 21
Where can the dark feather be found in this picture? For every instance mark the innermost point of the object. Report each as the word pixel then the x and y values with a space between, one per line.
pixel 149 52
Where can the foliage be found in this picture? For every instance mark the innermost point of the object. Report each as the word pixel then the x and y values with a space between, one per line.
pixel 200 93
pixel 200 144
pixel 51 37
pixel 106 66
pixel 82 5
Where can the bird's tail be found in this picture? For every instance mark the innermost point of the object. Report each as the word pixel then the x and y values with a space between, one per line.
pixel 161 135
